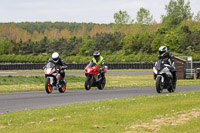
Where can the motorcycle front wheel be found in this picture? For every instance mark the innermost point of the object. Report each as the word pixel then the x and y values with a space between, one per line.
pixel 48 86
pixel 159 87
pixel 88 83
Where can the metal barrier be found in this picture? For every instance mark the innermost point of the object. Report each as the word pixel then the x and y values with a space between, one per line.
pixel 190 69
pixel 137 65
pixel 111 65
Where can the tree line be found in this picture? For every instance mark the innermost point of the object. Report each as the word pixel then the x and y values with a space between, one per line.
pixel 124 41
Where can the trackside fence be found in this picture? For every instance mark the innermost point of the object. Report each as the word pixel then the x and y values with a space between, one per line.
pixel 133 65
pixel 146 65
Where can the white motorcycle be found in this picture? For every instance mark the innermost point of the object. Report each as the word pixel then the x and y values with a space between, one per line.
pixel 53 78
pixel 163 77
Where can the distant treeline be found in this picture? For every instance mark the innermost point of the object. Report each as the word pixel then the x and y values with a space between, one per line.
pixel 118 42
pixel 36 31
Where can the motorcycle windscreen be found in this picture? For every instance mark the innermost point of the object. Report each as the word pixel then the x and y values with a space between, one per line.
pixel 50 65
pixel 159 64
pixel 92 64
pixel 49 68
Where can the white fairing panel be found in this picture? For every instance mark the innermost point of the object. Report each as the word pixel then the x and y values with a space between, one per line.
pixel 155 71
pixel 165 70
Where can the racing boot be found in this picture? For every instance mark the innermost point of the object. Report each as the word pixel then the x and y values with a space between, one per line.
pixel 61 81
pixel 174 80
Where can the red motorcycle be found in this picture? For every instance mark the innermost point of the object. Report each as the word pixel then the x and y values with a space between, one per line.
pixel 53 79
pixel 93 77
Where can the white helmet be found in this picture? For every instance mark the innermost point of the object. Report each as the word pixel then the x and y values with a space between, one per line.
pixel 162 50
pixel 55 57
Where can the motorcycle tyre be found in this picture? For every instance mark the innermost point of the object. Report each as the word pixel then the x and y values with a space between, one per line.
pixel 158 85
pixel 48 87
pixel 172 88
pixel 87 83
pixel 102 84
pixel 63 88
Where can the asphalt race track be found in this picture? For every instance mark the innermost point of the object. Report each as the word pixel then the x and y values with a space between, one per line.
pixel 10 102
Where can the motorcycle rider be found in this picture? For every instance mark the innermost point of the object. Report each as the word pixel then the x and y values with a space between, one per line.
pixel 98 59
pixel 59 63
pixel 168 58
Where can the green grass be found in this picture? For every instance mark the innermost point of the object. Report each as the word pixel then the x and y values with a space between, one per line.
pixel 33 83
pixel 10 80
pixel 164 113
pixel 36 83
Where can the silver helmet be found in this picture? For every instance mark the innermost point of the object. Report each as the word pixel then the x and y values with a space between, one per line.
pixel 55 57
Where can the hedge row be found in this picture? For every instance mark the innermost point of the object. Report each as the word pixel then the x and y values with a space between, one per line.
pixel 140 57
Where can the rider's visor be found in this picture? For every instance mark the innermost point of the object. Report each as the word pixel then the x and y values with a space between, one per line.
pixel 161 52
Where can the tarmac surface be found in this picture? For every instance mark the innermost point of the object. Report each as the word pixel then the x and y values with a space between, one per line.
pixel 11 102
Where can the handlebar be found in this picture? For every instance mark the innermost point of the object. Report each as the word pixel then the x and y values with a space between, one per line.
pixel 63 67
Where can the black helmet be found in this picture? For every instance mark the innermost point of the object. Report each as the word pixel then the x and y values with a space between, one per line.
pixel 162 50
pixel 96 55
pixel 55 57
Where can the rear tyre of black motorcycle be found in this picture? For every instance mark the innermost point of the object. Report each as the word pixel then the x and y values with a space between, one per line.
pixel 159 88
pixel 87 83
pixel 63 88
pixel 172 88
pixel 102 84
pixel 48 87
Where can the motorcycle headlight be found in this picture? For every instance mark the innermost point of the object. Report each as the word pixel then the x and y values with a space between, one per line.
pixel 89 70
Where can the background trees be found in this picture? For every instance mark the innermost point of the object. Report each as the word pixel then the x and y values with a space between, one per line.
pixel 121 18
pixel 144 17
pixel 177 11
pixel 123 40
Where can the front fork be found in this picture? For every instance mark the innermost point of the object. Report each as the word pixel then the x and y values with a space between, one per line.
pixel 90 78
pixel 162 79
pixel 55 86
pixel 51 80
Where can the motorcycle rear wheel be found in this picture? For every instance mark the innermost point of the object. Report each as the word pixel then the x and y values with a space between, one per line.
pixel 159 87
pixel 172 88
pixel 102 84
pixel 63 88
pixel 88 83
pixel 48 87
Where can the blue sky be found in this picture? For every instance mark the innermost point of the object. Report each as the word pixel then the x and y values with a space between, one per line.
pixel 96 11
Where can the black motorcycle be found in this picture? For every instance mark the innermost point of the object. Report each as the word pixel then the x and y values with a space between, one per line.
pixel 163 77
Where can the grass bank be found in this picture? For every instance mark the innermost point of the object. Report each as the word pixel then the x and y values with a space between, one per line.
pixel 36 83
pixel 164 113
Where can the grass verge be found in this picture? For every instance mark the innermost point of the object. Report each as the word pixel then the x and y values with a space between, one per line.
pixel 164 113
pixel 36 83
